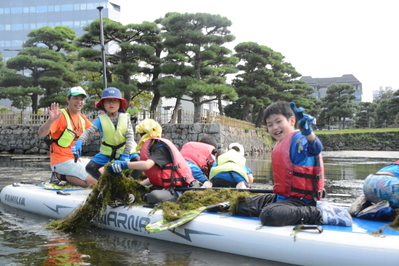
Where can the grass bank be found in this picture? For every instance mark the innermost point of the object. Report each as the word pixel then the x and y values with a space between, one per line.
pixel 355 131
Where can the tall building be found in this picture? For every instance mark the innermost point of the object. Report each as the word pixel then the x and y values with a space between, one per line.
pixel 320 85
pixel 19 17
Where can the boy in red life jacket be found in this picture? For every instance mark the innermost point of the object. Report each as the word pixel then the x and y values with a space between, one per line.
pixel 161 161
pixel 298 174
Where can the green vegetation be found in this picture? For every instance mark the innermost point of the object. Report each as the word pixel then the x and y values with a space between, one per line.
pixel 355 131
pixel 108 188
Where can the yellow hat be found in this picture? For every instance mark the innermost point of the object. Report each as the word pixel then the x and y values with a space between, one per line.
pixel 150 128
pixel 131 102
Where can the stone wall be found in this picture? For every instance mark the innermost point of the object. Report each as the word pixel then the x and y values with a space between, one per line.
pixel 24 138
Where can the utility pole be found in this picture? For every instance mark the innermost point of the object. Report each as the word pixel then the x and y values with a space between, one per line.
pixel 102 48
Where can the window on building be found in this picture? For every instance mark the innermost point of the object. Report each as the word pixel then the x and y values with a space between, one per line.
pixel 1 27
pixel 25 10
pixel 76 7
pixel 7 27
pixel 1 11
pixel 33 26
pixel 76 24
pixel 7 43
pixel 16 26
pixel 83 6
pixel 67 8
pixel 16 43
pixel 1 43
pixel 67 23
pixel 41 9
pixel 50 8
pixel 41 24
pixel 91 6
pixel 57 8
pixel 32 9
pixel 7 10
pixel 83 23
pixel 16 10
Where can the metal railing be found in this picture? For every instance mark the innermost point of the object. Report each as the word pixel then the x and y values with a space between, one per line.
pixel 183 117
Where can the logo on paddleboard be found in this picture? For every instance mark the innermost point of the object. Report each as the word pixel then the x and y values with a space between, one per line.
pixel 123 220
pixel 15 200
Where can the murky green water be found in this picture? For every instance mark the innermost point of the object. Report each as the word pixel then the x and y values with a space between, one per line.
pixel 24 240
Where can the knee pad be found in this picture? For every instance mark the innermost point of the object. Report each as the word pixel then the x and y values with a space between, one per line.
pixel 92 169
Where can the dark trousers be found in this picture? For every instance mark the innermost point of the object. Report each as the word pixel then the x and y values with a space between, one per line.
pixel 220 182
pixel 285 212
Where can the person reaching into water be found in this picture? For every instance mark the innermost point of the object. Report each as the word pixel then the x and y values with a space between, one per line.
pixel 200 156
pixel 231 170
pixel 161 162
pixel 380 195
pixel 62 129
pixel 298 174
pixel 115 131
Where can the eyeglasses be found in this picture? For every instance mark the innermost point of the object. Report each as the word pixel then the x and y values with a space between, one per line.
pixel 111 100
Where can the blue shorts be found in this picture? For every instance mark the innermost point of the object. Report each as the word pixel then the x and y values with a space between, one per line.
pixel 71 168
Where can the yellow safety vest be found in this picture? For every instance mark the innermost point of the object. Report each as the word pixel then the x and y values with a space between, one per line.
pixel 114 136
pixel 68 136
pixel 230 161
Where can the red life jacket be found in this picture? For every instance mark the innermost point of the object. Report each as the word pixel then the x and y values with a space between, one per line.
pixel 296 181
pixel 177 173
pixel 200 154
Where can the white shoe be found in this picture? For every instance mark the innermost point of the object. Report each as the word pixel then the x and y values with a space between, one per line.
pixel 207 184
pixel 241 185
pixel 333 215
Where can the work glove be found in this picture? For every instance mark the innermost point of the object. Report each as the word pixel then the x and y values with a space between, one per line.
pixel 306 122
pixel 124 157
pixel 77 149
pixel 117 167
pixel 195 184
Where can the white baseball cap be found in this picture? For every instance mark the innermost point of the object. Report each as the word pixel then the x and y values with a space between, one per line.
pixel 75 91
pixel 239 146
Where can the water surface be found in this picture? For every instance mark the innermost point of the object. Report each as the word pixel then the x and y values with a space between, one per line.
pixel 24 239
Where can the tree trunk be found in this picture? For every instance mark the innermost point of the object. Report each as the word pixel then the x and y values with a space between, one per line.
pixel 220 106
pixel 155 101
pixel 245 111
pixel 197 110
pixel 173 119
pixel 259 119
pixel 34 98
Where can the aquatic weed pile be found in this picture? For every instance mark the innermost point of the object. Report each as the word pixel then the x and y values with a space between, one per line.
pixel 194 199
pixel 108 188
pixel 395 223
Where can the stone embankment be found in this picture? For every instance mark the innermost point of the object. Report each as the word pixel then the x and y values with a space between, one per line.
pixel 377 141
pixel 24 138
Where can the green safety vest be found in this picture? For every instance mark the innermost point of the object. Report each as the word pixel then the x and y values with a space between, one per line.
pixel 230 161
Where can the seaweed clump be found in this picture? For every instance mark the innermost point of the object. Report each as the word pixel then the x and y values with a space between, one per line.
pixel 194 199
pixel 108 188
pixel 395 222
